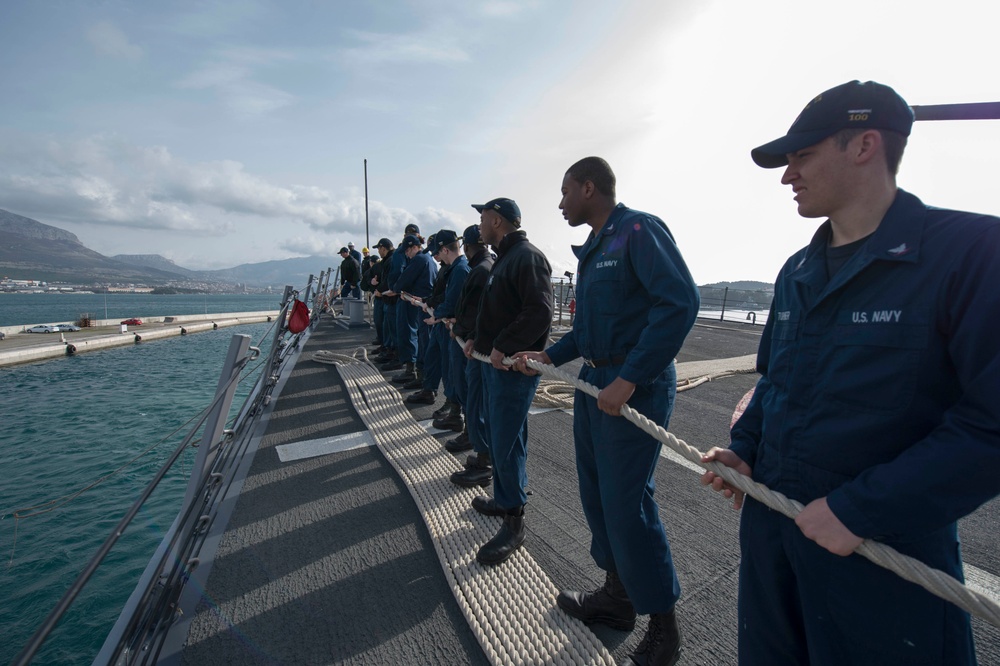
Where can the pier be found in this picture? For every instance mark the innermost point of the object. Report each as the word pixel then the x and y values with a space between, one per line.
pixel 18 347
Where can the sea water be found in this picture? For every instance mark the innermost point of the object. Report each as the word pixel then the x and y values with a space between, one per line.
pixel 66 425
pixel 55 308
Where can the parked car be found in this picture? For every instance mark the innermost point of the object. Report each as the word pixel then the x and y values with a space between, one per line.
pixel 70 328
pixel 134 321
pixel 42 328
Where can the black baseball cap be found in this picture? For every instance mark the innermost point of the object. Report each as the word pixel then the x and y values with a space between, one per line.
pixel 410 241
pixel 411 229
pixel 445 237
pixel 342 250
pixel 471 236
pixel 506 207
pixel 867 105
pixel 384 242
pixel 432 246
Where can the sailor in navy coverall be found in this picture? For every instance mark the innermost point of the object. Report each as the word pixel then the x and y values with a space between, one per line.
pixel 877 406
pixel 636 302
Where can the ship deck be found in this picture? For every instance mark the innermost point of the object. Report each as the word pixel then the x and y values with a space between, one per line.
pixel 326 557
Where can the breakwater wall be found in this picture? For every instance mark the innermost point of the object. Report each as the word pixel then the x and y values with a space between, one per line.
pixel 105 334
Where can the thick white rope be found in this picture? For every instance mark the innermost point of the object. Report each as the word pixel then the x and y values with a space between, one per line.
pixel 933 580
pixel 510 607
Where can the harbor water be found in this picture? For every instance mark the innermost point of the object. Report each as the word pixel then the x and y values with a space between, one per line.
pixel 77 425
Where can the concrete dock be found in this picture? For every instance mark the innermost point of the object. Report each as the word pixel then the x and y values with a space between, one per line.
pixel 18 347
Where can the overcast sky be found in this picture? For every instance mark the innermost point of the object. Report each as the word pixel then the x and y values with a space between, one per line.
pixel 221 133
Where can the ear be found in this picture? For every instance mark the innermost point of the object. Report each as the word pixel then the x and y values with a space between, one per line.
pixel 867 146
pixel 589 189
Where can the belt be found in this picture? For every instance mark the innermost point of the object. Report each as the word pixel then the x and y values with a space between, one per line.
pixel 604 362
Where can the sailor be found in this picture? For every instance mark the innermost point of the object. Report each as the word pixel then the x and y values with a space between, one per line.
pixel 354 253
pixel 515 314
pixel 380 280
pixel 429 374
pixel 417 279
pixel 636 302
pixel 468 375
pixel 457 269
pixel 877 403
pixel 405 319
pixel 350 275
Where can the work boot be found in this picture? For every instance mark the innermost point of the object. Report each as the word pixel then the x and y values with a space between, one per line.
pixel 479 473
pixel 460 443
pixel 422 397
pixel 453 420
pixel 391 364
pixel 407 375
pixel 442 411
pixel 487 506
pixel 385 356
pixel 507 540
pixel 416 382
pixel 661 646
pixel 608 605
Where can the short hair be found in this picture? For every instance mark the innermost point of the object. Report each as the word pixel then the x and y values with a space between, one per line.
pixel 597 171
pixel 451 247
pixel 894 143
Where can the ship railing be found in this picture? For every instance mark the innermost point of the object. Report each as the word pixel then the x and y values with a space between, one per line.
pixel 154 606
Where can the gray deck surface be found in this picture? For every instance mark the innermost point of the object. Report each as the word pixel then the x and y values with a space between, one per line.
pixel 326 560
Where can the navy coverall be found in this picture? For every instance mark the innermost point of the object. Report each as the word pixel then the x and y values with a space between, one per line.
pixel 636 302
pixel 417 279
pixel 458 272
pixel 879 391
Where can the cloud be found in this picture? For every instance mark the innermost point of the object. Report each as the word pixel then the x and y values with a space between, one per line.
pixel 230 74
pixel 410 48
pixel 107 39
pixel 105 181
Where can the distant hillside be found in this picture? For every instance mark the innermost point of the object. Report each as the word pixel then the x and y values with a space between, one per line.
pixel 154 261
pixel 32 250
pixel 277 273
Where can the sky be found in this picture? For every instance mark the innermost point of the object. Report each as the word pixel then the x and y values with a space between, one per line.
pixel 219 133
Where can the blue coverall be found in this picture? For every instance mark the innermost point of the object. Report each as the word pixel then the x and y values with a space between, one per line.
pixel 458 274
pixel 417 279
pixel 636 302
pixel 879 391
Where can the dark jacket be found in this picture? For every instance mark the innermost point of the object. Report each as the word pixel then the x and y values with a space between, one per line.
pixel 472 294
pixel 516 311
pixel 381 270
pixel 369 269
pixel 350 271
pixel 458 273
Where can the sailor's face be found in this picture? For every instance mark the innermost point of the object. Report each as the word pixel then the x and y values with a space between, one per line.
pixel 486 224
pixel 573 202
pixel 816 175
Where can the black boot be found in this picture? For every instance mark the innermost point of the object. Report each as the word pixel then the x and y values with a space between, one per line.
pixel 460 443
pixel 507 540
pixel 392 363
pixel 487 506
pixel 422 397
pixel 453 421
pixel 417 381
pixel 661 645
pixel 408 374
pixel 480 473
pixel 442 411
pixel 608 605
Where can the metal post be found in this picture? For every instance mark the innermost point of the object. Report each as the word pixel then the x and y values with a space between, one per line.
pixel 216 421
pixel 722 314
pixel 368 240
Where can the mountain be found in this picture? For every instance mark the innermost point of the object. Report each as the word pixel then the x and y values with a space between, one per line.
pixel 155 262
pixel 742 285
pixel 31 250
